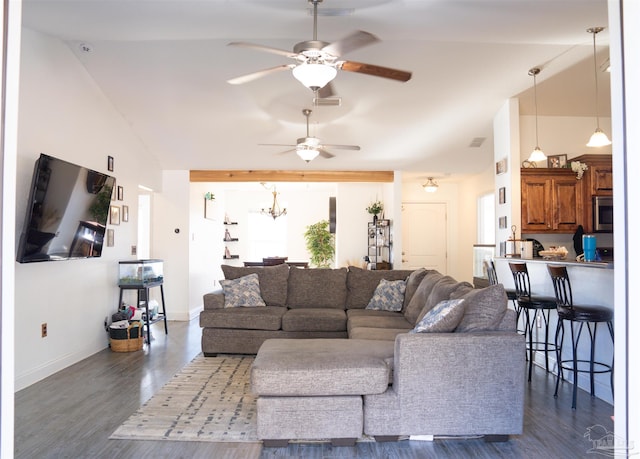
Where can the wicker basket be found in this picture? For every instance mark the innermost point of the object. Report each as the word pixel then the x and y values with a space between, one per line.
pixel 129 344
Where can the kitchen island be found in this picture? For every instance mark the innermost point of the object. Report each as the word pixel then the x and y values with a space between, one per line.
pixel 591 284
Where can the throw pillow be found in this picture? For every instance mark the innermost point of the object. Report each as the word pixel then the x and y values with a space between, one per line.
pixel 444 317
pixel 388 296
pixel 242 292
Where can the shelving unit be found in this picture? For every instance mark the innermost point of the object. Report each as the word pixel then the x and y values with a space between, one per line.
pixel 379 244
pixel 228 238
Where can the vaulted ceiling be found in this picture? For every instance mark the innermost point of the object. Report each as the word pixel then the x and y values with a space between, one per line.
pixel 164 65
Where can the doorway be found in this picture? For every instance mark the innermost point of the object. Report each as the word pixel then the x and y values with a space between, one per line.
pixel 424 236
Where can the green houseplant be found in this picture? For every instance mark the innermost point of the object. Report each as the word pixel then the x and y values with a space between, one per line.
pixel 320 244
pixel 375 208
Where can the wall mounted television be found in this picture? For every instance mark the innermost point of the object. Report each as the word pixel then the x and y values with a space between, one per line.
pixel 66 213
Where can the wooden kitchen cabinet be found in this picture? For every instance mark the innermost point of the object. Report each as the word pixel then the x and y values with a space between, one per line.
pixel 598 182
pixel 599 175
pixel 552 201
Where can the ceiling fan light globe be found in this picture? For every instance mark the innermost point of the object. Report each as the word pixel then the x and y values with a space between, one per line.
pixel 308 154
pixel 314 76
pixel 537 155
pixel 599 139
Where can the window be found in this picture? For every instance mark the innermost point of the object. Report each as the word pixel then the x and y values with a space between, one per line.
pixel 486 219
pixel 267 237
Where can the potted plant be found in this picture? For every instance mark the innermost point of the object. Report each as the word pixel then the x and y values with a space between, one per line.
pixel 320 244
pixel 374 209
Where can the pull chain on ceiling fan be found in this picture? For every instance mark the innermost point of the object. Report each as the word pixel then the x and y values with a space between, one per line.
pixel 318 61
pixel 308 148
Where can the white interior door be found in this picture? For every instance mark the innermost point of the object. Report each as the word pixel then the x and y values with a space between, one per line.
pixel 424 236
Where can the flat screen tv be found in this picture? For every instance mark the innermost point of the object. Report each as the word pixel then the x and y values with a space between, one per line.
pixel 66 213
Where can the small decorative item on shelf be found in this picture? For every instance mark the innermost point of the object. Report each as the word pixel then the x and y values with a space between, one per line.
pixel 227 220
pixel 227 253
pixel 209 196
pixel 374 209
pixel 578 168
pixel 227 235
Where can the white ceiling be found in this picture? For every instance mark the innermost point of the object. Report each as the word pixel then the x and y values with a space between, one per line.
pixel 164 66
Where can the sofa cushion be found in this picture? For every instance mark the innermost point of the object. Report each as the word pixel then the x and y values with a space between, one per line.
pixel 419 298
pixel 317 288
pixel 372 313
pixel 266 318
pixel 442 291
pixel 361 283
pixel 379 334
pixel 272 279
pixel 443 318
pixel 413 282
pixel 242 292
pixel 379 322
pixel 484 309
pixel 314 319
pixel 388 296
pixel 316 367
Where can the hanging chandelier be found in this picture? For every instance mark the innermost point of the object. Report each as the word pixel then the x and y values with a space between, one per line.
pixel 431 186
pixel 275 210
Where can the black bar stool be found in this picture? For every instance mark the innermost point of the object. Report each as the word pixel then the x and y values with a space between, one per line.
pixel 578 316
pixel 534 307
pixel 490 268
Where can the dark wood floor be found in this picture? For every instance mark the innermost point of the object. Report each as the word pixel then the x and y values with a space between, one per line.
pixel 72 414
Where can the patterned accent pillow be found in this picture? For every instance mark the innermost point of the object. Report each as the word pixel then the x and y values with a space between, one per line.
pixel 242 292
pixel 388 296
pixel 444 317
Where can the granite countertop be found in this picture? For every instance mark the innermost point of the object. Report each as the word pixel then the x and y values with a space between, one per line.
pixel 567 262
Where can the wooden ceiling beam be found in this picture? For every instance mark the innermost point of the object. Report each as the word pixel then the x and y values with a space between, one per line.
pixel 289 176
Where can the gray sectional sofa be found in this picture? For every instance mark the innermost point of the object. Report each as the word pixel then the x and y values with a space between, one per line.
pixel 315 339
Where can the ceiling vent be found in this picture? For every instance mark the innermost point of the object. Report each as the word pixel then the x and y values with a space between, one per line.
pixel 477 142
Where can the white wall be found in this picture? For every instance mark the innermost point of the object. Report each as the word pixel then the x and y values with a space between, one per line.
pixel 62 113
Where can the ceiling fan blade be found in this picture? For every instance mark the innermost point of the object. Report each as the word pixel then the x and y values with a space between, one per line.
pixel 351 42
pixel 259 74
pixel 326 91
pixel 341 147
pixel 285 152
pixel 375 70
pixel 325 154
pixel 276 145
pixel 266 49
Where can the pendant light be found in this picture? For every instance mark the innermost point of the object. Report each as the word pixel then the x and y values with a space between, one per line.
pixel 599 138
pixel 431 186
pixel 537 154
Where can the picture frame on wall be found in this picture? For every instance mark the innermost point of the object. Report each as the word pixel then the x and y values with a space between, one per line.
pixel 114 215
pixel 502 195
pixel 120 193
pixel 125 213
pixel 502 222
pixel 110 163
pixel 110 236
pixel 501 166
pixel 556 161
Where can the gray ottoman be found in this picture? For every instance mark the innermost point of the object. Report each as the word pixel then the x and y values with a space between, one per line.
pixel 311 389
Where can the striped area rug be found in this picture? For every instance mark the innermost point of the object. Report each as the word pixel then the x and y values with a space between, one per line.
pixel 208 400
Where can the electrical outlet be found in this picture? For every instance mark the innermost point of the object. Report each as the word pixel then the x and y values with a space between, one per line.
pixel 44 330
pixel 134 250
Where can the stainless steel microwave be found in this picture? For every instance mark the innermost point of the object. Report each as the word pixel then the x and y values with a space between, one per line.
pixel 603 214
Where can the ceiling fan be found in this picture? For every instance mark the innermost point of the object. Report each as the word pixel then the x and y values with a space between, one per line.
pixel 318 61
pixel 309 147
